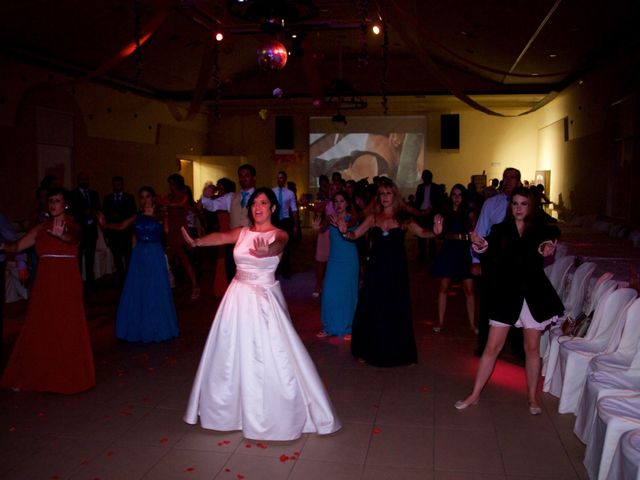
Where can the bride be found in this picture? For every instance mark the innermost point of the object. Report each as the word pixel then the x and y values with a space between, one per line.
pixel 255 374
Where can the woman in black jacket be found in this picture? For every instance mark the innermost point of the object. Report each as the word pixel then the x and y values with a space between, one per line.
pixel 520 294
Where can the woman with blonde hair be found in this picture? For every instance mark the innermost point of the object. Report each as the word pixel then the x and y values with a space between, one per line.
pixel 382 333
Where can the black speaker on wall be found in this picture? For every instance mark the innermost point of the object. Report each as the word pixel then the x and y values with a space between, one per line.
pixel 450 132
pixel 284 132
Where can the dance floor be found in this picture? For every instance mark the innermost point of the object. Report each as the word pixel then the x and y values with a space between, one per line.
pixel 398 423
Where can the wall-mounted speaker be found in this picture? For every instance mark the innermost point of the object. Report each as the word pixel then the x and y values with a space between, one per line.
pixel 450 132
pixel 284 132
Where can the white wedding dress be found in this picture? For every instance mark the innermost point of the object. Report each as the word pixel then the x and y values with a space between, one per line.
pixel 255 374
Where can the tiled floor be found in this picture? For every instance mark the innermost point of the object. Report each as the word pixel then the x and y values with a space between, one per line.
pixel 398 423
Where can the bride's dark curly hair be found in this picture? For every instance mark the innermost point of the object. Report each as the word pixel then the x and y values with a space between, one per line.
pixel 272 201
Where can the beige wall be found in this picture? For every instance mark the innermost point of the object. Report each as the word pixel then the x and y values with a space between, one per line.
pixel 115 133
pixel 121 133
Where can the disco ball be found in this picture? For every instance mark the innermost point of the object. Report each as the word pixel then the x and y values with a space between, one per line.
pixel 272 55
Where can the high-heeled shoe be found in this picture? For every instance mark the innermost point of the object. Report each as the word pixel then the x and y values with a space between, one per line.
pixel 461 404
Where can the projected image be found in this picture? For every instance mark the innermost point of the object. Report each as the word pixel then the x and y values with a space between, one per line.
pixel 399 156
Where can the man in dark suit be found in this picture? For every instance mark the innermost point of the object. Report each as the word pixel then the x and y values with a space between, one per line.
pixel 117 207
pixel 429 200
pixel 85 203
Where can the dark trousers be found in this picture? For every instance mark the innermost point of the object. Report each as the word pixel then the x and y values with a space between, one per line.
pixel 88 251
pixel 120 246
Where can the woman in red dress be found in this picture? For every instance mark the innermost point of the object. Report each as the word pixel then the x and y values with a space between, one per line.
pixel 53 352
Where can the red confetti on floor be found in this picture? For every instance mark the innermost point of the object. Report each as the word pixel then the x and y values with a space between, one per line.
pixel 12 428
pixel 284 458
pixel 189 469
pixel 376 431
pixel 84 462
pixel 164 439
pixel 110 453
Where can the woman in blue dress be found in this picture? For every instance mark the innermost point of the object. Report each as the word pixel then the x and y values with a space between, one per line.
pixel 340 287
pixel 146 312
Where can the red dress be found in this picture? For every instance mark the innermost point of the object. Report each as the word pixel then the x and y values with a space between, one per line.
pixel 53 352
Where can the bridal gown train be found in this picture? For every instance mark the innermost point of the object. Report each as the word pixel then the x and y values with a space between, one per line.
pixel 255 374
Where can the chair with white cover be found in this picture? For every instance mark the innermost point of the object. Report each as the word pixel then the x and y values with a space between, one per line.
pixel 612 374
pixel 573 303
pixel 592 296
pixel 597 386
pixel 550 368
pixel 616 415
pixel 621 352
pixel 558 272
pixel 574 356
pixel 626 459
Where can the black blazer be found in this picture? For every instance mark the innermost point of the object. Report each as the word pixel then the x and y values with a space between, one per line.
pixel 115 213
pixel 514 271
pixel 436 196
pixel 84 211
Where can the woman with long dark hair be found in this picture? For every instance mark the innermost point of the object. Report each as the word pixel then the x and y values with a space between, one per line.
pixel 255 374
pixel 454 259
pixel 519 292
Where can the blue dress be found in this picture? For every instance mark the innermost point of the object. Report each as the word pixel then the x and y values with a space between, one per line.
pixel 340 288
pixel 146 312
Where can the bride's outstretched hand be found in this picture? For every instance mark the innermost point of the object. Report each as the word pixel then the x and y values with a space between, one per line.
pixel 260 248
pixel 187 238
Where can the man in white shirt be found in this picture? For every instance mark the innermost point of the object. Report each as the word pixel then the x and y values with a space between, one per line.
pixel 236 205
pixel 286 218
pixel 494 211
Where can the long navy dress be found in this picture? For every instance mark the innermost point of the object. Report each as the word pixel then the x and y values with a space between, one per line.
pixel 340 289
pixel 146 312
pixel 382 326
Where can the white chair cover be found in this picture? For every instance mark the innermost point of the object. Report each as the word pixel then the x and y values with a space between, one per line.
pixel 597 386
pixel 600 290
pixel 14 290
pixel 574 356
pixel 615 380
pixel 574 299
pixel 619 357
pixel 551 370
pixel 616 415
pixel 573 303
pixel 591 300
pixel 558 273
pixel 626 459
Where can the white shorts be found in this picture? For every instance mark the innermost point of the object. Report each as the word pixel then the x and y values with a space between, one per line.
pixel 526 320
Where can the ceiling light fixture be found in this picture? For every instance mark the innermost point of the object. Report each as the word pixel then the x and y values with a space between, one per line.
pixel 219 36
pixel 375 29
